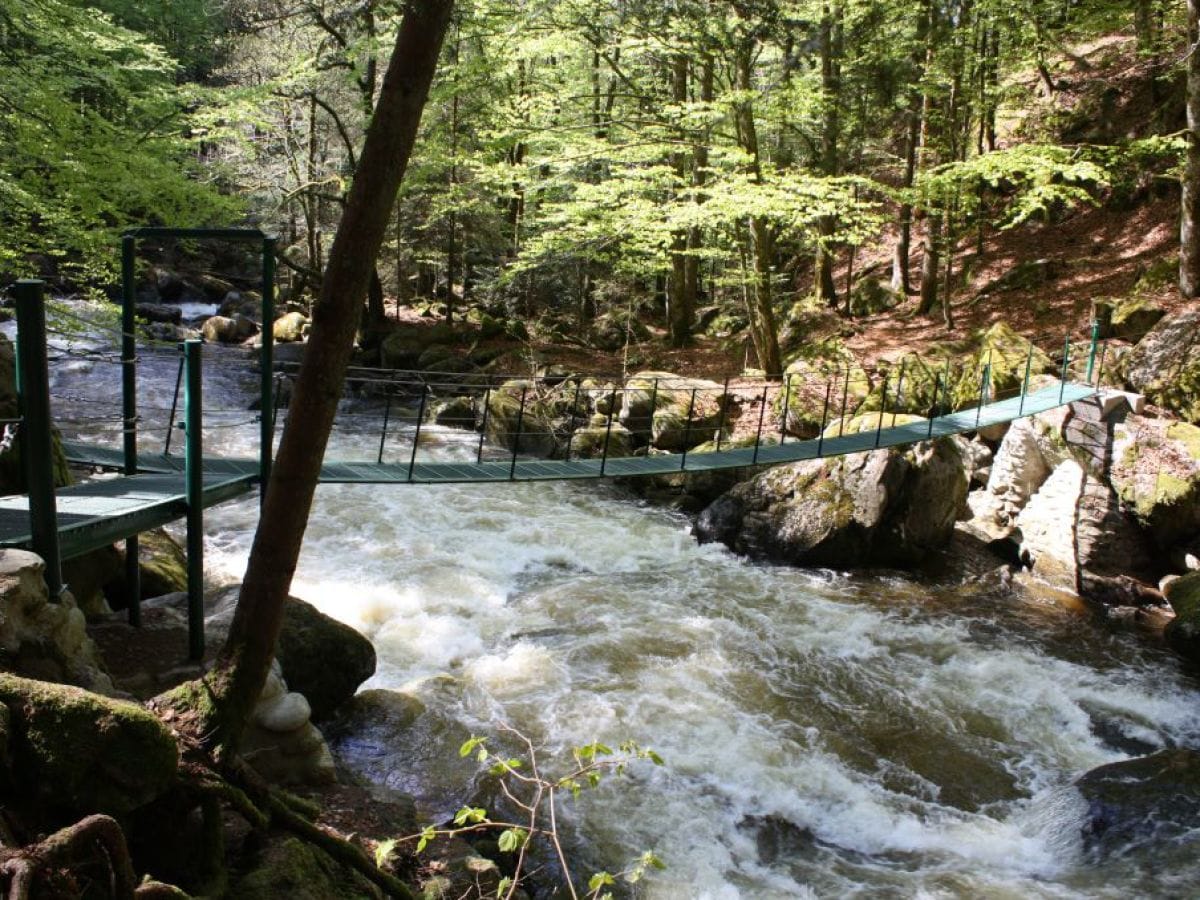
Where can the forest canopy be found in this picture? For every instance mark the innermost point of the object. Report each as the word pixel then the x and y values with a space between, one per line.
pixel 586 158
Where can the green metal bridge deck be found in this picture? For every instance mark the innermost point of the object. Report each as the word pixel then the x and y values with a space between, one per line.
pixel 490 472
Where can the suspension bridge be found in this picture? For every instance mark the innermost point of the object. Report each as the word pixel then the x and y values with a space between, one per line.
pixel 506 430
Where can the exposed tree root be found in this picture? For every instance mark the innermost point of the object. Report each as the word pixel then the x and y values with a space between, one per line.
pixel 78 844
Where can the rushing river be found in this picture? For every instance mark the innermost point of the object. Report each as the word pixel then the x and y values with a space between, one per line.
pixel 825 734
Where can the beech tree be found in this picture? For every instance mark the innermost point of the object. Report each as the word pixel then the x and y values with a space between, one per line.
pixel 227 693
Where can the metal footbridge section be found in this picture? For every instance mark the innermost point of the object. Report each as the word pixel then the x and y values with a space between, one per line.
pixel 225 471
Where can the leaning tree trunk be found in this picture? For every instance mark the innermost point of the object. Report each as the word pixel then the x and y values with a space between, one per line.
pixel 241 668
pixel 1189 219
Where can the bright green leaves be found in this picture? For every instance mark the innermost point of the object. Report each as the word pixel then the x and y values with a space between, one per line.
pixel 92 140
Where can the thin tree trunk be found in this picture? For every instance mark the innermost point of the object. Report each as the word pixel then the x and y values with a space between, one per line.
pixel 240 671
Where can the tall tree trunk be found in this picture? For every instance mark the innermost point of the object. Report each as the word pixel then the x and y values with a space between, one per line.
pixel 1189 220
pixel 929 264
pixel 237 678
pixel 762 315
pixel 831 87
pixel 691 264
pixel 681 304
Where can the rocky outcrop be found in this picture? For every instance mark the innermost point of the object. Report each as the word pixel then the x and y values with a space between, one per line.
pixel 289 867
pixel 1138 802
pixel 83 753
pixel 1165 365
pixel 40 639
pixel 887 507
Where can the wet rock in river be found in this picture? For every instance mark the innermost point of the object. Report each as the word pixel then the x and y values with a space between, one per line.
pixel 1137 802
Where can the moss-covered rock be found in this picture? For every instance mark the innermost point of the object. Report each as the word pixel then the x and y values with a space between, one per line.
pixel 402 348
pixel 289 867
pixel 162 564
pixel 322 658
pixel 1156 472
pixel 821 366
pixel 84 753
pixel 521 416
pixel 1165 365
pixel 887 507
pixel 871 296
pixel 1000 354
pixel 1183 632
pixel 672 412
pixel 1133 318
pixel 601 439
pixel 457 412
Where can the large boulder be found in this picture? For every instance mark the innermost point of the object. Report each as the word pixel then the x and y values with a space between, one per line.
pixel 671 412
pixel 322 658
pixel 403 347
pixel 1001 354
pixel 1151 801
pixel 1074 535
pixel 224 330
pixel 162 564
pixel 601 437
pixel 40 639
pixel 1030 451
pixel 521 416
pixel 886 507
pixel 82 753
pixel 1129 318
pixel 290 328
pixel 1165 365
pixel 1183 632
pixel 823 367
pixel 1156 473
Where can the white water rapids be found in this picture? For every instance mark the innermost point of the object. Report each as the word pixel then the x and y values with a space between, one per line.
pixel 824 734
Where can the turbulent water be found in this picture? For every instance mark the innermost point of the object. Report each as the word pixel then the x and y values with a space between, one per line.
pixel 824 734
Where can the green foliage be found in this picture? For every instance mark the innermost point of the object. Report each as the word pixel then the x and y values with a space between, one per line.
pixel 536 796
pixel 91 126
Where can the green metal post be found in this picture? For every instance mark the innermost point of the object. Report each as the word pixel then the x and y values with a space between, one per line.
pixel 193 467
pixel 1091 364
pixel 1062 385
pixel 267 363
pixel 33 389
pixel 1025 380
pixel 133 570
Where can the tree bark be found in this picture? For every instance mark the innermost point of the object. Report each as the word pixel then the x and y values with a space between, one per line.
pixel 681 311
pixel 237 678
pixel 1189 220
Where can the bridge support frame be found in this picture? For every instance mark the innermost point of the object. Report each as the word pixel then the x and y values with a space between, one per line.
pixel 33 391
pixel 193 479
